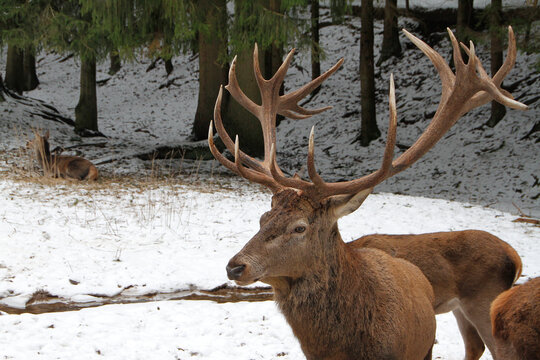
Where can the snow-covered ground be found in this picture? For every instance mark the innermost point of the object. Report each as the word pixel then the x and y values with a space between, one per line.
pixel 124 236
pixel 79 243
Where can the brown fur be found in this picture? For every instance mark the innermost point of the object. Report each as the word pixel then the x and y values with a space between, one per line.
pixel 515 316
pixel 69 167
pixel 341 302
pixel 467 270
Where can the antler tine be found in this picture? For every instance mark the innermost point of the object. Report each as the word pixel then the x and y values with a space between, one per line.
pixel 251 175
pixel 320 189
pixel 445 73
pixel 288 104
pixel 229 144
pixel 510 58
pixel 278 176
pixel 493 87
pixel 234 89
pixel 276 80
pixel 237 166
pixel 219 156
pixel 312 171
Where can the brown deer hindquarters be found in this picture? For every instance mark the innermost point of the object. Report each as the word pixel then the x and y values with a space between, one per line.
pixel 75 167
pixel 515 316
pixel 467 270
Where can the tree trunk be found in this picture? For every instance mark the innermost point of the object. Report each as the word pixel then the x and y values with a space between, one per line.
pixel 369 130
pixel 15 69
pixel 2 89
pixel 464 20
pixel 315 56
pixel 211 73
pixel 273 57
pixel 169 66
pixel 390 46
pixel 29 67
pixel 495 16
pixel 86 109
pixel 115 62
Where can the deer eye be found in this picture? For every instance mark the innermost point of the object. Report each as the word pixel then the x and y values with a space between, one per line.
pixel 299 229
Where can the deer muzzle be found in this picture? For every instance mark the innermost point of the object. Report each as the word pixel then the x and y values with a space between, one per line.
pixel 235 271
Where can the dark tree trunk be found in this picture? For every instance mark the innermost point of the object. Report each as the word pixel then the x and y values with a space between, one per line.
pixel 211 73
pixel 273 57
pixel 369 130
pixel 497 110
pixel 29 67
pixel 169 66
pixel 115 62
pixel 2 89
pixel 464 20
pixel 15 69
pixel 390 46
pixel 86 109
pixel 315 56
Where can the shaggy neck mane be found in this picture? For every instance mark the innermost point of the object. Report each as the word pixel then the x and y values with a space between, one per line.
pixel 313 304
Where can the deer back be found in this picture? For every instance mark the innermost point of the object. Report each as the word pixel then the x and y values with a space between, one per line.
pixel 515 316
pixel 75 167
pixel 458 264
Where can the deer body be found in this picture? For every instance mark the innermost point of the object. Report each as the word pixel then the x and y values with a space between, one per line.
pixel 515 316
pixel 467 270
pixel 342 301
pixel 69 167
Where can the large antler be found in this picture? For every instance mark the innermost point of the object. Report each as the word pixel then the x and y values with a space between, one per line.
pixel 468 88
pixel 272 104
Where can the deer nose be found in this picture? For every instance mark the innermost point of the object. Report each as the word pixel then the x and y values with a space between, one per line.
pixel 235 271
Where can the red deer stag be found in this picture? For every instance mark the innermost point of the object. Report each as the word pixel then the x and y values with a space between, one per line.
pixel 69 167
pixel 341 301
pixel 515 316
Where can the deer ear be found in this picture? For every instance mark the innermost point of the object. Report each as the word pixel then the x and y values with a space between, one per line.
pixel 342 205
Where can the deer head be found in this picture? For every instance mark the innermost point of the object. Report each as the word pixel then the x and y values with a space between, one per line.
pixel 300 231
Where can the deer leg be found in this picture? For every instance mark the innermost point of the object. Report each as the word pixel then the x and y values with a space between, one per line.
pixel 474 345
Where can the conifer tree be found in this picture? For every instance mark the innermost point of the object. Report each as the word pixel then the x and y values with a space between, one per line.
pixel 20 29
pixel 71 27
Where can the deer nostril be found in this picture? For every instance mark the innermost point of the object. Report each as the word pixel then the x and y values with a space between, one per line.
pixel 234 272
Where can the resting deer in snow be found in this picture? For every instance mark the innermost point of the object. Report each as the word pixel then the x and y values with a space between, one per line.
pixel 342 301
pixel 515 316
pixel 69 167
